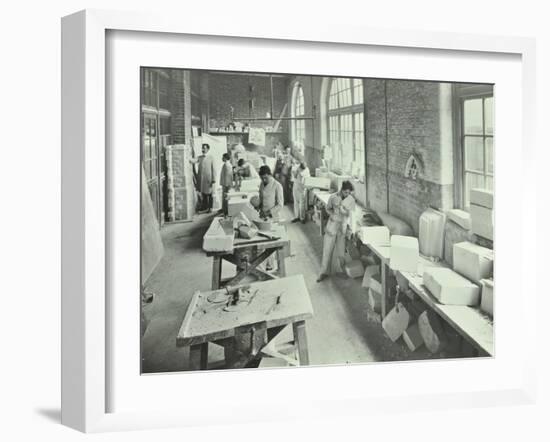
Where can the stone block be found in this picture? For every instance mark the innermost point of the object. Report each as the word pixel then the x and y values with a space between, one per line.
pixel 404 253
pixel 482 221
pixel 412 337
pixel 236 206
pixel 473 261
pixel 487 286
pixel 460 217
pixel 376 235
pixel 431 233
pixel 431 330
pixel 448 287
pixel 354 268
pixel 481 197
pixel 375 300
pixel 370 271
pixel 250 185
pixel 314 182
pixel 217 239
pixel 396 322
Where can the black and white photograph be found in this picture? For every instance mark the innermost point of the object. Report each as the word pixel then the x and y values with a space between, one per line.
pixel 231 221
pixel 298 219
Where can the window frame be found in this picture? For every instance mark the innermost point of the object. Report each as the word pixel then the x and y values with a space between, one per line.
pixel 356 111
pixel 463 93
pixel 298 126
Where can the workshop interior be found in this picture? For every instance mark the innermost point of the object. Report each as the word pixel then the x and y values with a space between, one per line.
pixel 291 220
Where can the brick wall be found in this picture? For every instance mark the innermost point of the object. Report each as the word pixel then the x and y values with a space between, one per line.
pixel 227 90
pixel 181 193
pixel 180 106
pixel 407 118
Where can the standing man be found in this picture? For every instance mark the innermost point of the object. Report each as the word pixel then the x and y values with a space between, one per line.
pixel 334 244
pixel 286 176
pixel 299 192
pixel 271 202
pixel 226 180
pixel 206 178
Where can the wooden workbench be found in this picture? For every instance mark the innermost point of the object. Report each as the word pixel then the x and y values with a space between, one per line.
pixel 206 322
pixel 260 249
pixel 470 322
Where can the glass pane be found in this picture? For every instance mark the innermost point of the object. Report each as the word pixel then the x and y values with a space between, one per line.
pixel 153 142
pixel 347 99
pixel 474 153
pixel 489 116
pixel 146 148
pixel 490 153
pixel 359 141
pixel 359 121
pixel 471 181
pixel 358 91
pixel 473 116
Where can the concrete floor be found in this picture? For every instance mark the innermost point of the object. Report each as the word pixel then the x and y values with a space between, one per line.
pixel 341 332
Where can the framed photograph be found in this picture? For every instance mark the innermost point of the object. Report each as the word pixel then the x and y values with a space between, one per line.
pixel 250 215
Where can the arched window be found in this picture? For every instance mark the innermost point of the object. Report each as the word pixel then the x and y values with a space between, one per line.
pixel 298 110
pixel 346 135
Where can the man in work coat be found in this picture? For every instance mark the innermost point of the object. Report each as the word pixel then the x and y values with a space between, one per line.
pixel 226 180
pixel 206 178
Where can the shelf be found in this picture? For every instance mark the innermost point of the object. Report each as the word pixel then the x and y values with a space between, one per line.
pixel 242 133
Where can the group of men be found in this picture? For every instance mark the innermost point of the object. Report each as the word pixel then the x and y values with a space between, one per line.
pixel 272 198
pixel 235 169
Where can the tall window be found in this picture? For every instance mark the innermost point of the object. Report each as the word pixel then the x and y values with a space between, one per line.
pixel 477 144
pixel 346 133
pixel 299 126
pixel 156 133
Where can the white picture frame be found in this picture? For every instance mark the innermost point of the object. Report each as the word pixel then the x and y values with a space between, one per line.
pixel 86 203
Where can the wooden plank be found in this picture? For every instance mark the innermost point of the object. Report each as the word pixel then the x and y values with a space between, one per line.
pixel 189 313
pixel 281 263
pixel 262 275
pixel 216 272
pixel 299 328
pixel 205 324
pixel 251 266
pixel 384 278
pixel 198 356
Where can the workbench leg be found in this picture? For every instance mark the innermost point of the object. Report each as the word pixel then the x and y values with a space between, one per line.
pixel 384 304
pixel 198 356
pixel 388 288
pixel 216 272
pixel 299 329
pixel 281 263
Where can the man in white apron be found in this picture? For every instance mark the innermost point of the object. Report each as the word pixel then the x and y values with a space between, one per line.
pixel 271 202
pixel 299 192
pixel 334 241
